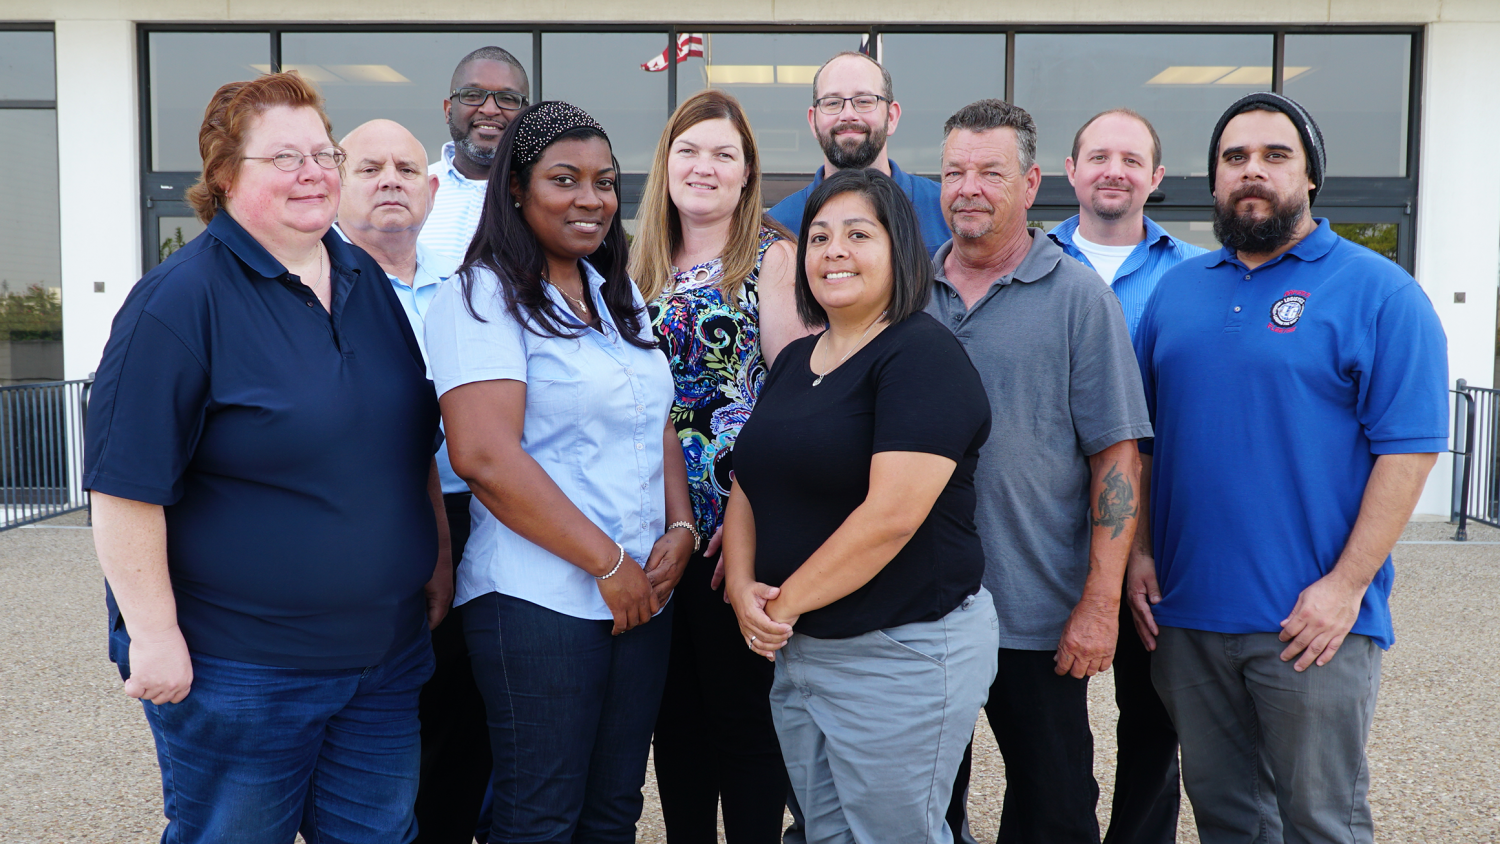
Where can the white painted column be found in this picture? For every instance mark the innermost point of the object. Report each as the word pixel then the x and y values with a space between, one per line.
pixel 1458 233
pixel 98 180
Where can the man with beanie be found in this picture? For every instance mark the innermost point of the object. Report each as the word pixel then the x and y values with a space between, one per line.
pixel 1298 389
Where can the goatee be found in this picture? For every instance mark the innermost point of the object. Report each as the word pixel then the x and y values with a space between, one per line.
pixel 1245 233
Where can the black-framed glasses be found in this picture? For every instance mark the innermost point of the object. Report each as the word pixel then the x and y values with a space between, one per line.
pixel 475 97
pixel 291 160
pixel 864 103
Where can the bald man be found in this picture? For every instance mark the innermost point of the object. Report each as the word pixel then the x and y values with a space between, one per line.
pixel 386 198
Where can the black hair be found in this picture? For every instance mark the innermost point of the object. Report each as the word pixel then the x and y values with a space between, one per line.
pixel 911 269
pixel 505 245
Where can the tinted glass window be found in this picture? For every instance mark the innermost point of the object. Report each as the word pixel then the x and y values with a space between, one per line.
pixel 771 75
pixel 1356 87
pixel 186 69
pixel 26 71
pixel 935 76
pixel 601 73
pixel 400 76
pixel 1181 83
pixel 30 254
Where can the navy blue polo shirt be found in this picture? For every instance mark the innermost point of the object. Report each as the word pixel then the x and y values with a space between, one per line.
pixel 1272 392
pixel 290 448
pixel 925 195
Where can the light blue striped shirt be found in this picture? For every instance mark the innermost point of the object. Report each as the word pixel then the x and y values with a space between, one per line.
pixel 1138 276
pixel 455 212
pixel 596 413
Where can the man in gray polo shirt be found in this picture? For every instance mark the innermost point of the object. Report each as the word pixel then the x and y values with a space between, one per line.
pixel 1057 482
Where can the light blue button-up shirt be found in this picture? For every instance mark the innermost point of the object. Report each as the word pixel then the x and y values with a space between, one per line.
pixel 415 299
pixel 1145 266
pixel 596 411
pixel 455 212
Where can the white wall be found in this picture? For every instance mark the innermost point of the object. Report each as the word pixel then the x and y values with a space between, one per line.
pixel 98 180
pixel 1458 228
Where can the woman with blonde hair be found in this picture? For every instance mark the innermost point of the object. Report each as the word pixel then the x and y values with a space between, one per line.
pixel 718 274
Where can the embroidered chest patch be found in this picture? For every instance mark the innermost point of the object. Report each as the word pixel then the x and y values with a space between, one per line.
pixel 1287 310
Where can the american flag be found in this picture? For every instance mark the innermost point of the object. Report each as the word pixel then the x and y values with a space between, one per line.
pixel 688 45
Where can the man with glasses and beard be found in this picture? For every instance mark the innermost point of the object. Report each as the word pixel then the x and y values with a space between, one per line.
pixel 1298 386
pixel 1115 165
pixel 852 115
pixel 489 88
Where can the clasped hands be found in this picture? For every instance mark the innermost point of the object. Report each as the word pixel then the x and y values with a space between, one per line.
pixel 765 626
pixel 634 595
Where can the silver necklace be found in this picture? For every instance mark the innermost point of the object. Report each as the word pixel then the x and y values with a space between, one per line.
pixel 857 344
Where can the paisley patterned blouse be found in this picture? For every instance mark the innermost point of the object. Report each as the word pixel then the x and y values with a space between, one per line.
pixel 713 347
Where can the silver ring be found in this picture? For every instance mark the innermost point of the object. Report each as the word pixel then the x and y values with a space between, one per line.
pixel 752 641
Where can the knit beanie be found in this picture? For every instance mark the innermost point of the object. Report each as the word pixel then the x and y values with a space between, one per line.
pixel 1312 137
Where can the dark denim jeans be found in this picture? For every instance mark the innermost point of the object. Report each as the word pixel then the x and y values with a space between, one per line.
pixel 254 754
pixel 570 710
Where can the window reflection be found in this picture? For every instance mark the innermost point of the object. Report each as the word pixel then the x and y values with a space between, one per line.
pixel 400 76
pixel 30 251
pixel 186 69
pixel 1377 237
pixel 771 75
pixel 1356 87
pixel 601 73
pixel 26 66
pixel 1181 83
pixel 935 76
pixel 173 233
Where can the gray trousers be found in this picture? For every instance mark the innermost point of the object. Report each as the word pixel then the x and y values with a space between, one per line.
pixel 1270 755
pixel 872 728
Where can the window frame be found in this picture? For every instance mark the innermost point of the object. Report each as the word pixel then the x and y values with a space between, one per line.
pixel 1383 197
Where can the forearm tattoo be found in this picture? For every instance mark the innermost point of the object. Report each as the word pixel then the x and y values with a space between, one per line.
pixel 1116 502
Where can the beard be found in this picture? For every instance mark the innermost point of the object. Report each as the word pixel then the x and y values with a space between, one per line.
pixel 475 152
pixel 1110 212
pixel 1245 233
pixel 858 157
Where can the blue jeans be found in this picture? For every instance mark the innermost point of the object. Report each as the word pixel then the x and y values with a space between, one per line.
pixel 571 709
pixel 254 754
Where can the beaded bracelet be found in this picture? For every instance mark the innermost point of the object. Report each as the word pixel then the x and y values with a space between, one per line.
pixel 691 528
pixel 617 564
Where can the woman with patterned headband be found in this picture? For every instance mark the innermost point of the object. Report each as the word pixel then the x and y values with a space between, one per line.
pixel 555 401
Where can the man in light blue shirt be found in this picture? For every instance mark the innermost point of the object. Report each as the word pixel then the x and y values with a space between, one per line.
pixel 386 196
pixel 1115 165
pixel 489 88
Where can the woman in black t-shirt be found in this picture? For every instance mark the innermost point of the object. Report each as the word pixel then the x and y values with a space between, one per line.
pixel 852 522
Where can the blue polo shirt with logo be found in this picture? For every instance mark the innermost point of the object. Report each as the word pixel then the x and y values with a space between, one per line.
pixel 925 196
pixel 1272 391
pixel 289 446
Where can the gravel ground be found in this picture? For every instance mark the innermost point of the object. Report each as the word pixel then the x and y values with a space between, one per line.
pixel 78 762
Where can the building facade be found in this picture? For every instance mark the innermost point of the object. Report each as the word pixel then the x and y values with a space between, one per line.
pixel 100 104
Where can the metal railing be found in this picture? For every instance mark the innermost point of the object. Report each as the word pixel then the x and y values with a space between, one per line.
pixel 1475 447
pixel 41 450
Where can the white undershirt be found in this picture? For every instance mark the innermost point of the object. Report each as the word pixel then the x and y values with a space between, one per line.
pixel 1106 259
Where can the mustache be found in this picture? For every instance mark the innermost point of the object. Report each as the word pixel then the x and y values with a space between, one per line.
pixel 971 205
pixel 1252 192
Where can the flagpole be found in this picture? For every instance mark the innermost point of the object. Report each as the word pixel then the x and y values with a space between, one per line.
pixel 672 70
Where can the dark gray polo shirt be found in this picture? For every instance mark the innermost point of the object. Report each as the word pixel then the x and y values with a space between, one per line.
pixel 1051 346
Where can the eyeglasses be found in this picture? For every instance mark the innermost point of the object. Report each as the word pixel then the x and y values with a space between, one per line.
pixel 864 103
pixel 507 100
pixel 291 160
